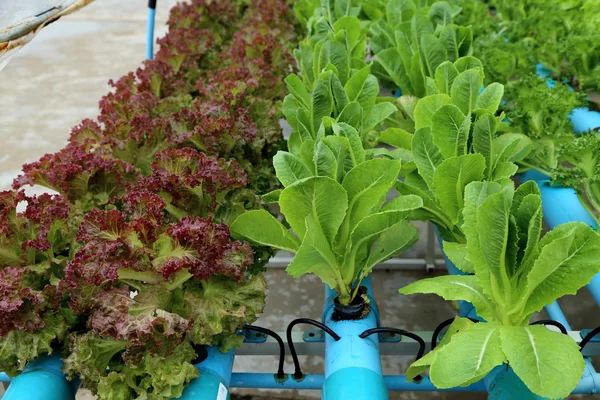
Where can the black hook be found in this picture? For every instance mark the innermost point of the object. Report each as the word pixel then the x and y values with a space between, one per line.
pixel 411 335
pixel 588 337
pixel 288 333
pixel 439 329
pixel 274 335
pixel 402 332
pixel 557 324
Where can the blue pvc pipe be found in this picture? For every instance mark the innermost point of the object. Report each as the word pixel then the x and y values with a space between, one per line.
pixel 270 381
pixel 555 312
pixel 583 119
pixel 150 33
pixel 503 384
pixel 41 379
pixel 396 383
pixel 561 205
pixel 533 175
pixel 214 379
pixel 352 365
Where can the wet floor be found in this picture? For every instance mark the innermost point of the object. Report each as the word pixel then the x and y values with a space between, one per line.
pixel 57 80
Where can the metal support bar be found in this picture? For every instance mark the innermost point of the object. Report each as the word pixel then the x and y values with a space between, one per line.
pixel 395 264
pixel 430 260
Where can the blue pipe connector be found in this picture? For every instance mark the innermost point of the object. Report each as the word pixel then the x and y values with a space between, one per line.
pixel 215 377
pixel 352 365
pixel 42 379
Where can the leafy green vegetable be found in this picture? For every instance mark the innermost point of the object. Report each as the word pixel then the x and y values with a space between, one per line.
pixel 335 82
pixel 579 168
pixel 542 113
pixel 342 226
pixel 456 143
pixel 412 40
pixel 560 35
pixel 133 265
pixel 514 275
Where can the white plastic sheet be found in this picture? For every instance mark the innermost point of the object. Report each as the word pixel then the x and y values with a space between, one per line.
pixel 21 20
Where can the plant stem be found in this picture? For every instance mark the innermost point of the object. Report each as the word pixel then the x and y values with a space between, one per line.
pixel 344 294
pixel 179 279
pixel 591 199
pixel 531 166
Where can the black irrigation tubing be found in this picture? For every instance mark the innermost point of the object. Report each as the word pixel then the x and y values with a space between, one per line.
pixel 441 326
pixel 411 335
pixel 588 337
pixel 402 332
pixel 557 324
pixel 288 333
pixel 274 335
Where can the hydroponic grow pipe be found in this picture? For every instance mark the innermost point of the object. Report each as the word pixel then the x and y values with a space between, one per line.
pixel 214 379
pixel 42 379
pixel 352 365
pixel 150 29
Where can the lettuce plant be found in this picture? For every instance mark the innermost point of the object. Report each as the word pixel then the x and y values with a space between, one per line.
pixel 541 112
pixel 132 266
pixel 412 40
pixel 579 167
pixel 34 248
pixel 513 275
pixel 334 196
pixel 455 143
pixel 560 35
pixel 335 202
pixel 158 274
pixel 335 82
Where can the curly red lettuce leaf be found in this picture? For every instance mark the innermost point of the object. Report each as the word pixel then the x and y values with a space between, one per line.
pixel 193 184
pixel 219 307
pixel 100 364
pixel 85 178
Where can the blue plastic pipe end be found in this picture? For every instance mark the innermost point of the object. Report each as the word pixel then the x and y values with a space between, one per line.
pixel 214 379
pixel 42 379
pixel 352 365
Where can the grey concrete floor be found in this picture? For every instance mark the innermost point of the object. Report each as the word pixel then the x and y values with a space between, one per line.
pixel 57 80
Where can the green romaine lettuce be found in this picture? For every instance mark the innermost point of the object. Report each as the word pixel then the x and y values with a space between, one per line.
pixel 514 275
